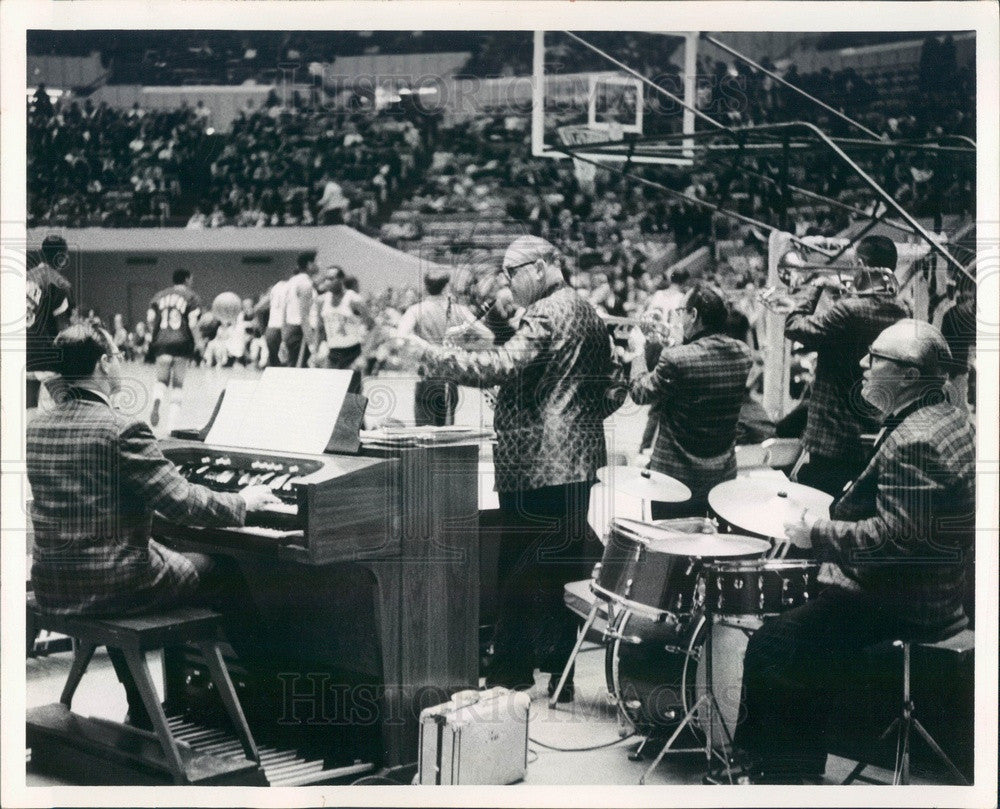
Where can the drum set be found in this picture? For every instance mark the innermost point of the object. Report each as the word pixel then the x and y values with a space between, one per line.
pixel 683 597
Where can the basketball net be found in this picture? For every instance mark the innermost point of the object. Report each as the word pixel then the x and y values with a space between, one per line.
pixel 581 134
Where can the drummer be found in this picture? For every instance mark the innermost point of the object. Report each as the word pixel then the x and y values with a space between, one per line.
pixel 697 388
pixel 895 554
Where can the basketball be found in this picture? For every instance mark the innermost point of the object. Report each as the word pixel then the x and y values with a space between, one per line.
pixel 226 306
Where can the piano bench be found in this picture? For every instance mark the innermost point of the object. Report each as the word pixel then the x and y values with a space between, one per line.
pixel 56 727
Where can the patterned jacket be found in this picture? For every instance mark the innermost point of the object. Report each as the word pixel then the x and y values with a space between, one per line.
pixel 904 527
pixel 554 374
pixel 96 478
pixel 697 390
pixel 840 336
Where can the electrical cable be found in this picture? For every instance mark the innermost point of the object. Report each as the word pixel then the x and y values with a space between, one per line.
pixel 581 749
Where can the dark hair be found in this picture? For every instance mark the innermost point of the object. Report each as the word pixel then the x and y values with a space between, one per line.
pixel 80 346
pixel 55 253
pixel 351 283
pixel 182 276
pixel 737 325
pixel 711 307
pixel 680 277
pixel 877 251
pixel 305 259
pixel 435 283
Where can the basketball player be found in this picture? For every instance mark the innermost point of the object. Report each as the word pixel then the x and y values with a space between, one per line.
pixel 49 301
pixel 173 321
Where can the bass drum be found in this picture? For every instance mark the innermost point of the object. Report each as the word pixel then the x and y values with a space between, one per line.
pixel 729 646
pixel 648 668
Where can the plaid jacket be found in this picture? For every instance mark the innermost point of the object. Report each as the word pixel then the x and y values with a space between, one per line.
pixel 554 374
pixel 96 478
pixel 903 528
pixel 840 336
pixel 696 390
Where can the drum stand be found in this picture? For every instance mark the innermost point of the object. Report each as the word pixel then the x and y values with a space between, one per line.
pixel 581 636
pixel 595 608
pixel 711 705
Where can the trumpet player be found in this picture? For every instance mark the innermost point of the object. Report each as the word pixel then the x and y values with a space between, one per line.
pixel 840 336
pixel 696 388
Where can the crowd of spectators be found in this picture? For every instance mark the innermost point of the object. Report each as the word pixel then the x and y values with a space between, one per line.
pixel 283 164
pixel 94 165
pixel 304 165
pixel 304 162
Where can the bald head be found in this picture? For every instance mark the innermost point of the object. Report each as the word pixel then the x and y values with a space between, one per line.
pixel 526 249
pixel 918 343
pixel 531 269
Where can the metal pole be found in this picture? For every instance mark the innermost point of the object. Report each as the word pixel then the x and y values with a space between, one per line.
pixel 687 198
pixel 783 187
pixel 836 203
pixel 788 84
pixel 690 88
pixel 881 192
pixel 538 95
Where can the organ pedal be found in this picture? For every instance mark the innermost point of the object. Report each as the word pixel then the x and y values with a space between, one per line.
pixel 283 767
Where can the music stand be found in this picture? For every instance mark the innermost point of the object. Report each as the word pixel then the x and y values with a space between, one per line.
pixel 711 704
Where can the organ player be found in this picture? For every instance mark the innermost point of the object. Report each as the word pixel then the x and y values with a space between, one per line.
pixel 894 559
pixel 96 477
pixel 554 375
pixel 697 389
pixel 837 415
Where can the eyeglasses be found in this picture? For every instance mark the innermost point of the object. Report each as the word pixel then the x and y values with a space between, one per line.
pixel 875 355
pixel 509 271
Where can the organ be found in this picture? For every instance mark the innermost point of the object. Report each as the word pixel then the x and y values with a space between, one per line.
pixel 364 583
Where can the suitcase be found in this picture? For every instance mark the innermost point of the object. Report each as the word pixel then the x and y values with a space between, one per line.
pixel 479 737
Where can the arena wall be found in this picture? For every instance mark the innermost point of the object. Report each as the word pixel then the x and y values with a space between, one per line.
pixel 118 271
pixel 64 72
pixel 224 103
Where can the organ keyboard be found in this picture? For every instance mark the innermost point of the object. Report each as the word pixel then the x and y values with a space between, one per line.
pixel 333 507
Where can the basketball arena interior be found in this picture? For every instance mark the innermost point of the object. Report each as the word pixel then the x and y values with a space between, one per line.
pixel 317 264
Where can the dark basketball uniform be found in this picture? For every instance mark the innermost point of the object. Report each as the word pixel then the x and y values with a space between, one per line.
pixel 172 334
pixel 49 296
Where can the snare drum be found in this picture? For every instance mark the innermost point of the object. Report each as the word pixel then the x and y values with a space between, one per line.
pixel 654 569
pixel 759 587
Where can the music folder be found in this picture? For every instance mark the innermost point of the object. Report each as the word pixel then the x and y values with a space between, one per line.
pixel 301 410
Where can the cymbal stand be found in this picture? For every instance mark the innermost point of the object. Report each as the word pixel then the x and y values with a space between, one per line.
pixel 780 549
pixel 711 705
pixel 581 636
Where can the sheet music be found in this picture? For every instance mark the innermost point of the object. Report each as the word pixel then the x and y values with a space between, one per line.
pixel 229 421
pixel 288 410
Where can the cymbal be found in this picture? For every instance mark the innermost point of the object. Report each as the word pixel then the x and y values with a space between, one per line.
pixel 764 506
pixel 661 538
pixel 644 484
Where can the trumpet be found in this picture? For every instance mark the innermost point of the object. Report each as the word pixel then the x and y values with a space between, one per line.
pixel 852 280
pixel 651 324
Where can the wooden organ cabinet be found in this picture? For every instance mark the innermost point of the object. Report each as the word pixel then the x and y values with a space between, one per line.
pixel 365 587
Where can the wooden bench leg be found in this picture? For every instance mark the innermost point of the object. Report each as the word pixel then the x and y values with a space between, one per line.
pixel 144 682
pixel 223 682
pixel 81 659
pixel 31 632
